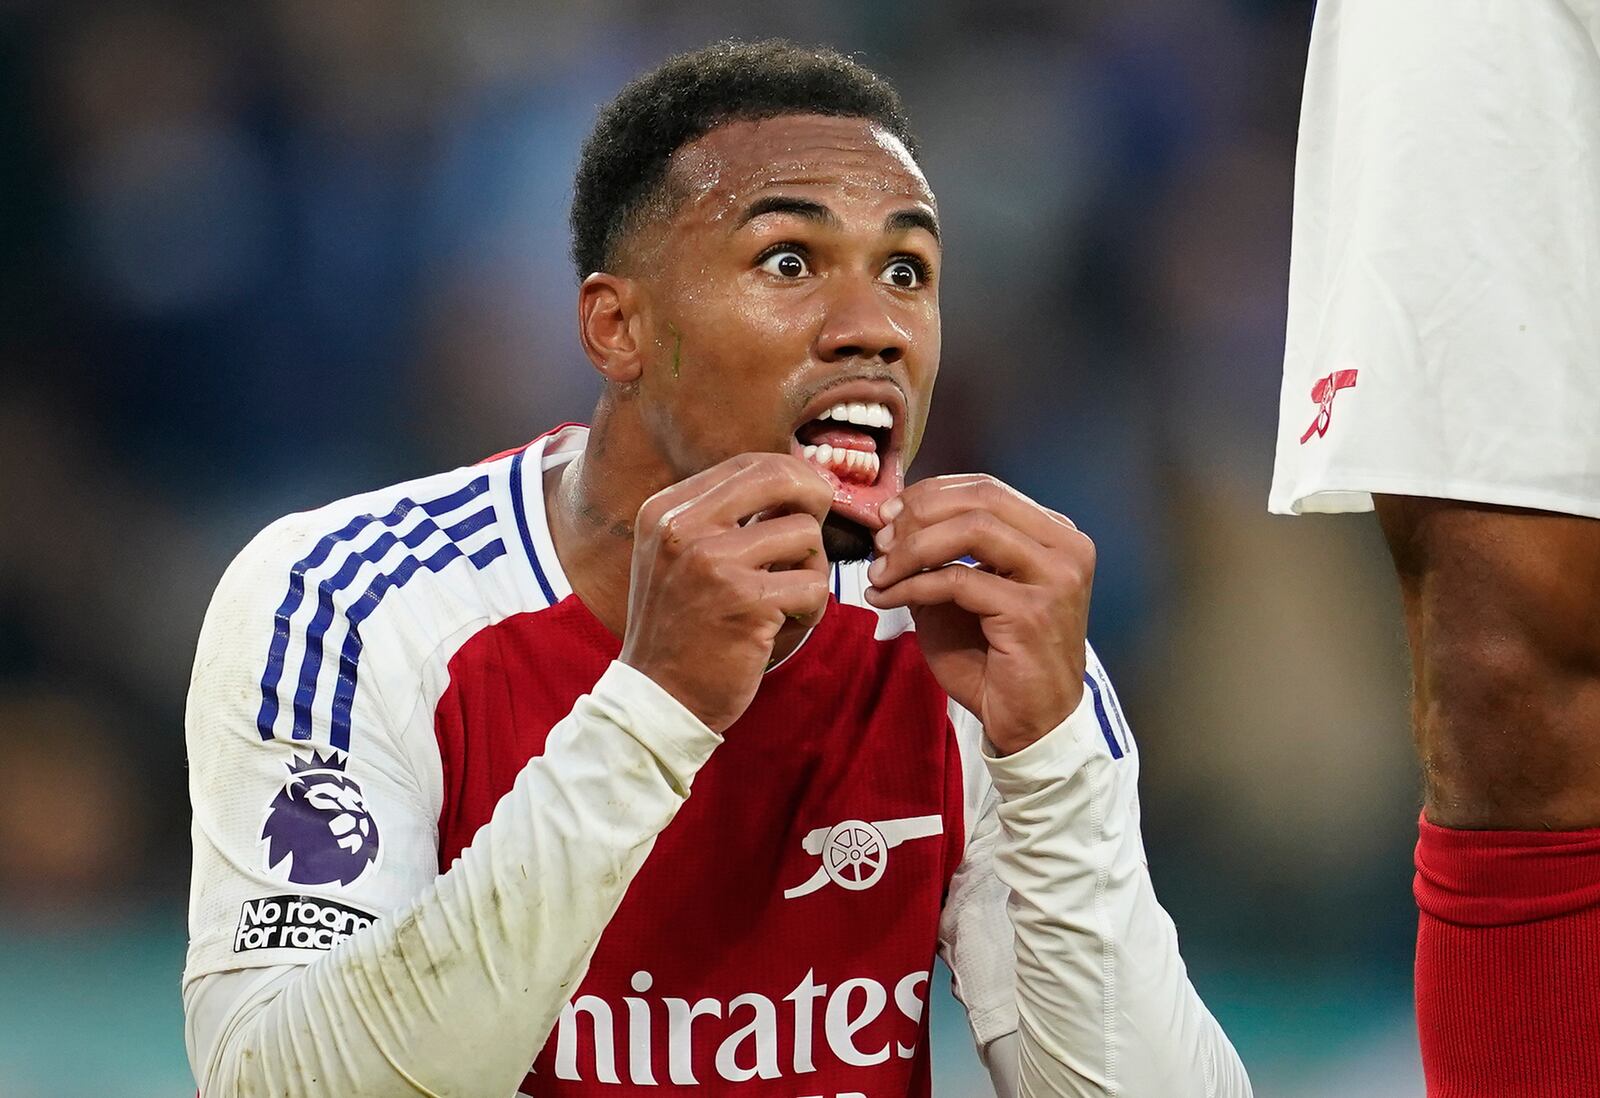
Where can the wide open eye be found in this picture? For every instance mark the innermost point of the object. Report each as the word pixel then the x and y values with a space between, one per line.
pixel 785 263
pixel 904 273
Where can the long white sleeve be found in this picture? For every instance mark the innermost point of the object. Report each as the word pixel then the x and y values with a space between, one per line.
pixel 1106 1009
pixel 455 993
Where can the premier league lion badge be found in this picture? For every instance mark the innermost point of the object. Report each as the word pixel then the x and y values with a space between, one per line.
pixel 320 823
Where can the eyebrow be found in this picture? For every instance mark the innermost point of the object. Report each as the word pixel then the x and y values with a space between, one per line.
pixel 899 221
pixel 904 220
pixel 782 203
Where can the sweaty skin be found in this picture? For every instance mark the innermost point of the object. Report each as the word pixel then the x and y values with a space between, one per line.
pixel 710 350
pixel 1505 647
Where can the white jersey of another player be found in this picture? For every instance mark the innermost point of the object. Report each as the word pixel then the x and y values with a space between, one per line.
pixel 1444 289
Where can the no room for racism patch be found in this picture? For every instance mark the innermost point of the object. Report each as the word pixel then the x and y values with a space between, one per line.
pixel 296 922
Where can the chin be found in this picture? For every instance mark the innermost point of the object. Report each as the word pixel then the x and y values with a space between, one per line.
pixel 845 540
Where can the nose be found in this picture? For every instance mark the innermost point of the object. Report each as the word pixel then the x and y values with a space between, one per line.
pixel 858 324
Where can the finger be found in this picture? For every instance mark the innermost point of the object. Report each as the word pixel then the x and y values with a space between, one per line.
pixel 735 490
pixel 800 595
pixel 763 484
pixel 788 541
pixel 981 593
pixel 939 498
pixel 979 534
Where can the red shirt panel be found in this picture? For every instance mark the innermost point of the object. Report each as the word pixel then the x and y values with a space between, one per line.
pixel 708 978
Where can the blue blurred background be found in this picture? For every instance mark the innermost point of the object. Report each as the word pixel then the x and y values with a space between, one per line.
pixel 255 256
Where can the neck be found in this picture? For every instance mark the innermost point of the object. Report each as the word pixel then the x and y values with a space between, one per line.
pixel 592 502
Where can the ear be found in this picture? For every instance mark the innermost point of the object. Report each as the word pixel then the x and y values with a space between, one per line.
pixel 611 325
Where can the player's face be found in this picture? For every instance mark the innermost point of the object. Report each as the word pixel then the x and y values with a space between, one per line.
pixel 793 307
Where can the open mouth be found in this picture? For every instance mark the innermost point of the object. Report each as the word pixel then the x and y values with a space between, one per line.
pixel 853 444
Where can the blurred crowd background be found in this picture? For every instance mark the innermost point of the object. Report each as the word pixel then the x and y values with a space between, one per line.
pixel 256 256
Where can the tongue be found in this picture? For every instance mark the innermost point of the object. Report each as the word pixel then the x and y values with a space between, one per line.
pixel 850 438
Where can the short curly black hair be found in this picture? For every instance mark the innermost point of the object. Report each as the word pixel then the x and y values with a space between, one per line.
pixel 623 166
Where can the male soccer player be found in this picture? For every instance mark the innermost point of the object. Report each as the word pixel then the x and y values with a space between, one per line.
pixel 1443 365
pixel 443 736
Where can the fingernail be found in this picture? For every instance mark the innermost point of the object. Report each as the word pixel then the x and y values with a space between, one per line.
pixel 875 570
pixel 884 537
pixel 889 508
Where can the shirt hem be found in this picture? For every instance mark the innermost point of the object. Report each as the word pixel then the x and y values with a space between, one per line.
pixel 1353 492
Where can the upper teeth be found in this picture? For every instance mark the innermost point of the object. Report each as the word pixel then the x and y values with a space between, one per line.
pixel 866 415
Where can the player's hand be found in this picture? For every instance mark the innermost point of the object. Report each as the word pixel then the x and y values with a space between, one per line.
pixel 1006 640
pixel 710 590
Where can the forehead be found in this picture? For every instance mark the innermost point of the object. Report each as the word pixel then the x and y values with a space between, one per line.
pixel 853 160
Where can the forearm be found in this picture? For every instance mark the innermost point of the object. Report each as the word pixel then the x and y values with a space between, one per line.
pixel 456 993
pixel 1105 1003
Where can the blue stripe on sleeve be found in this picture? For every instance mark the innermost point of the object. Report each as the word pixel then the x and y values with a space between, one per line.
pixel 277 650
pixel 316 631
pixel 1100 714
pixel 267 716
pixel 350 656
pixel 1114 706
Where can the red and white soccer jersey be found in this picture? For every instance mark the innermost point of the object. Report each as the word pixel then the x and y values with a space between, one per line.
pixel 1444 287
pixel 422 784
